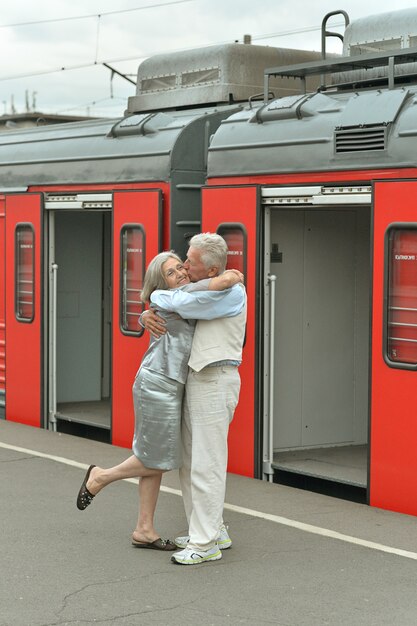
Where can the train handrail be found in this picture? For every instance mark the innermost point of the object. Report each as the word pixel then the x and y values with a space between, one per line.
pixel 259 96
pixel 268 461
pixel 52 348
pixel 327 33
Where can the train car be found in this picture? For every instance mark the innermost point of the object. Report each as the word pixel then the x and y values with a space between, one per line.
pixel 317 195
pixel 83 209
pixel 313 184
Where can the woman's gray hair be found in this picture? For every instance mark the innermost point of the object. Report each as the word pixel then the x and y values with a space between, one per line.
pixel 213 250
pixel 154 276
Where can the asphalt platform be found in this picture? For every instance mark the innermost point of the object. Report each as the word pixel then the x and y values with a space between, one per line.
pixel 298 558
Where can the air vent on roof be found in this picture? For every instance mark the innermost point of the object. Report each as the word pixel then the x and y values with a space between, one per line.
pixel 360 139
pixel 370 47
pixel 201 77
pixel 158 83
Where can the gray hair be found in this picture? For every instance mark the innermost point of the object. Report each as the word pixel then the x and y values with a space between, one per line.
pixel 154 276
pixel 213 249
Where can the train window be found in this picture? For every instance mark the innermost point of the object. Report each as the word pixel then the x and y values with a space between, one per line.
pixel 132 271
pixel 401 298
pixel 24 273
pixel 235 236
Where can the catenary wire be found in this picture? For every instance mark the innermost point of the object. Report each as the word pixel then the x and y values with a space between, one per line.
pixel 144 56
pixel 94 15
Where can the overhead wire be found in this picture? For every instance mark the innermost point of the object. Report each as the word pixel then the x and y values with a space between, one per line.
pixel 124 59
pixel 91 103
pixel 136 57
pixel 94 15
pixel 298 31
pixel 144 56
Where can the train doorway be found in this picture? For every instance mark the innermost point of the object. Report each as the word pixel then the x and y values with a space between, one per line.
pixel 318 394
pixel 79 321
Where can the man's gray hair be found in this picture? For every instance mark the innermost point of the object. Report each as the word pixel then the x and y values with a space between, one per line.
pixel 154 277
pixel 213 250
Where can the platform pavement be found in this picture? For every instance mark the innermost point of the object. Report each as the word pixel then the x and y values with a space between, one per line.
pixel 61 566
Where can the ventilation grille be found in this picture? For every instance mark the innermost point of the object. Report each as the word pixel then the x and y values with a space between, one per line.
pixel 360 139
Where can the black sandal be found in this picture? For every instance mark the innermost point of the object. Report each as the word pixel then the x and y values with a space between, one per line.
pixel 158 544
pixel 85 497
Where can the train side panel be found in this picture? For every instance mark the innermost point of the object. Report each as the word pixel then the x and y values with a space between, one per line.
pixel 232 212
pixel 136 240
pixel 393 459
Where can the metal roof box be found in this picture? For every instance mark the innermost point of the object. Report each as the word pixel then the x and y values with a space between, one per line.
pixel 379 33
pixel 396 30
pixel 220 74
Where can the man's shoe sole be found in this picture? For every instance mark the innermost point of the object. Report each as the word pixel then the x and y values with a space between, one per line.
pixel 212 557
pixel 223 546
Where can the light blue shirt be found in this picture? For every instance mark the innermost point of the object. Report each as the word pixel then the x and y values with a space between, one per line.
pixel 206 305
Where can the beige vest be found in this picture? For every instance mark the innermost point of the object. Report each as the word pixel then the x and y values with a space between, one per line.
pixel 217 340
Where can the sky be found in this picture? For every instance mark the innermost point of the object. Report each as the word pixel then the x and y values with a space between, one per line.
pixel 52 52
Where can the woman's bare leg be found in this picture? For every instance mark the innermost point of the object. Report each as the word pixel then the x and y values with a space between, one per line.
pixel 148 496
pixel 149 484
pixel 131 468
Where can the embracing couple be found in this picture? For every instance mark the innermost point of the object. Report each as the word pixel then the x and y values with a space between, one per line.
pixel 185 393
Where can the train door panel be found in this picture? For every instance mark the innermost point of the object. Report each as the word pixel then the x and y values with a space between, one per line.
pixel 317 317
pixel 79 256
pixel 136 240
pixel 315 327
pixel 393 459
pixel 23 308
pixel 233 213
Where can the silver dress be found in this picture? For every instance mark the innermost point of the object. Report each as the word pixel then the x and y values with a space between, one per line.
pixel 158 392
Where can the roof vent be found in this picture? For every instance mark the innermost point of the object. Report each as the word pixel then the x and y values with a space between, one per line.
pixel 360 139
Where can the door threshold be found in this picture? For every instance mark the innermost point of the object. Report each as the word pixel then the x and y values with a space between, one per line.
pixel 80 420
pixel 342 464
pixel 95 414
pixel 319 475
pixel 331 488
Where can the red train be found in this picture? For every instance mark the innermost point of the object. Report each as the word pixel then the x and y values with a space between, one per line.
pixel 315 190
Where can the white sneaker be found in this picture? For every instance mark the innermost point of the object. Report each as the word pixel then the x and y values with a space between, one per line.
pixel 223 539
pixel 191 556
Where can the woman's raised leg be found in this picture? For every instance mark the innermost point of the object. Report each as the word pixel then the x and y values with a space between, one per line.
pixel 131 468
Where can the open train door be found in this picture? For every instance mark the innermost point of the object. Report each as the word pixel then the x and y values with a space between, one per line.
pixel 23 308
pixel 393 432
pixel 233 213
pixel 136 240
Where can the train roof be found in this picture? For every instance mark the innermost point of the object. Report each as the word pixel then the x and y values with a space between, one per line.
pixel 140 147
pixel 319 132
pixel 365 117
pixel 166 127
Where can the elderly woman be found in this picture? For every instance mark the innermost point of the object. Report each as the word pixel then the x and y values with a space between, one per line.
pixel 158 390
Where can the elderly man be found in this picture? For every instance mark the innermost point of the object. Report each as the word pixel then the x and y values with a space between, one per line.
pixel 211 396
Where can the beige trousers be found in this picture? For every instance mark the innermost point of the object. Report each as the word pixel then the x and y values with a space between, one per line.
pixel 211 396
